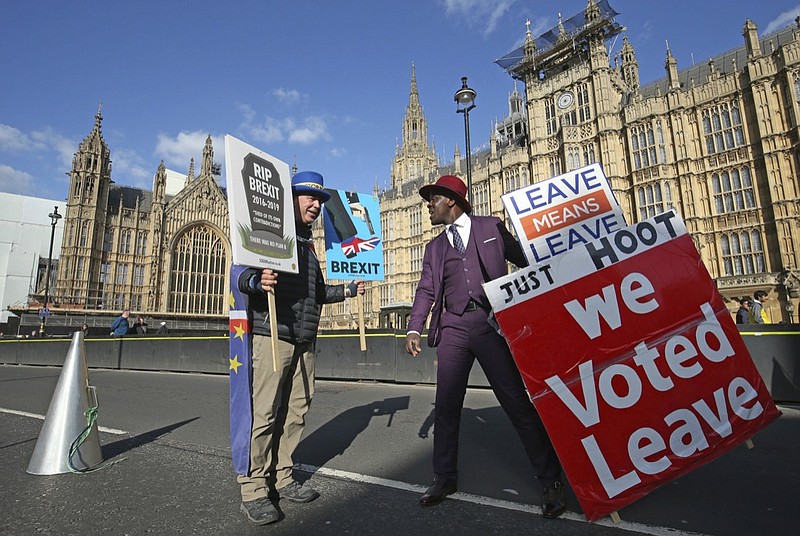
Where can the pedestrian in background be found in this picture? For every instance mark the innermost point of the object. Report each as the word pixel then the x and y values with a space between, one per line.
pixel 757 313
pixel 743 314
pixel 120 326
pixel 140 326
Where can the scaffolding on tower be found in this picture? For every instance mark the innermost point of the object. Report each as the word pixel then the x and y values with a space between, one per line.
pixel 561 41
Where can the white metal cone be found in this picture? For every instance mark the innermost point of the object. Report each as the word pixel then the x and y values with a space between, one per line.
pixel 66 419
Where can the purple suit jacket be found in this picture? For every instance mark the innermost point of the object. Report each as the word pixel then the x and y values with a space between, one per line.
pixel 495 245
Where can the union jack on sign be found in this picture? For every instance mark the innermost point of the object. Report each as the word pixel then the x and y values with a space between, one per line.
pixel 356 245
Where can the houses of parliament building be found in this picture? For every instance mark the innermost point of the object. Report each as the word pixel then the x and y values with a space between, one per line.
pixel 717 142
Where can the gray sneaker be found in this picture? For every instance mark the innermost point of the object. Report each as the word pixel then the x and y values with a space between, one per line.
pixel 260 511
pixel 298 493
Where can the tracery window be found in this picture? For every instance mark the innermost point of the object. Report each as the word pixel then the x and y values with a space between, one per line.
pixel 584 111
pixel 514 179
pixel 742 253
pixel 197 275
pixel 573 158
pixel 654 199
pixel 416 220
pixel 733 191
pixel 416 258
pixel 588 154
pixel 84 238
pixel 647 144
pixel 555 166
pixel 141 243
pixel 125 242
pixel 722 127
pixel 550 116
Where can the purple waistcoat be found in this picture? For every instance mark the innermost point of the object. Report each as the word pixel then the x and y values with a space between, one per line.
pixel 462 279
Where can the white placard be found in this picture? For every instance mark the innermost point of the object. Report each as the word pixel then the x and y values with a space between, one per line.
pixel 552 217
pixel 261 208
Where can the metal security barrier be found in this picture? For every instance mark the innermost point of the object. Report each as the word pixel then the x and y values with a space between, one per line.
pixel 775 349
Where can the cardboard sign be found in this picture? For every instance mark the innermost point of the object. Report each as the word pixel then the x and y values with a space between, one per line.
pixel 353 246
pixel 655 380
pixel 260 207
pixel 554 216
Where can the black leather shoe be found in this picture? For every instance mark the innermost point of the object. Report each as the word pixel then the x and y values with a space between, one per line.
pixel 554 501
pixel 440 489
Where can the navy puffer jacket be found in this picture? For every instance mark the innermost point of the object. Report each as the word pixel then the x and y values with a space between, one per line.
pixel 298 297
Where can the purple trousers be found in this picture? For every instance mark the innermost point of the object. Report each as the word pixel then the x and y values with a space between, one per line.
pixel 464 339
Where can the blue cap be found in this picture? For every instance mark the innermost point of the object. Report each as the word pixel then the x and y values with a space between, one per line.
pixel 310 183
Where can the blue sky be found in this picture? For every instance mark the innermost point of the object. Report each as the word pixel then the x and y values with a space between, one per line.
pixel 321 83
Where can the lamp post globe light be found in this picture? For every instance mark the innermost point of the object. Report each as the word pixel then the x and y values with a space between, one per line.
pixel 465 101
pixel 54 217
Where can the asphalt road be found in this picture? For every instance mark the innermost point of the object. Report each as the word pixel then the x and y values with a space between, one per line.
pixel 367 449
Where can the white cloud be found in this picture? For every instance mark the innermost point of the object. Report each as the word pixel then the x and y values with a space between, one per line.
pixel 782 21
pixel 12 139
pixel 289 96
pixel 248 112
pixel 479 13
pixel 15 181
pixel 131 169
pixel 312 129
pixel 270 131
pixel 177 151
pixel 304 132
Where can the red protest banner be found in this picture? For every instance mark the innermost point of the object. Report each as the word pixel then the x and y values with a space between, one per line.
pixel 655 379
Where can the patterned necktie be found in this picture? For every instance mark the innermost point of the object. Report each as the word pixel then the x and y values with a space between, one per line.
pixel 457 242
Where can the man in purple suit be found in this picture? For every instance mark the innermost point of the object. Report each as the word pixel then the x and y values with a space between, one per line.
pixel 470 251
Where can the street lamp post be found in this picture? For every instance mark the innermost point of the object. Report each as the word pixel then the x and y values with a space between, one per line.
pixel 54 217
pixel 465 101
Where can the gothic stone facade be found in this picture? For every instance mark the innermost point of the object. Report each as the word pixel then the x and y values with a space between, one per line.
pixel 148 251
pixel 718 142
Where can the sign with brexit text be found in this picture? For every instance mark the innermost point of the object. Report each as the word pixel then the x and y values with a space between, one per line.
pixel 655 380
pixel 353 247
pixel 261 208
pixel 554 216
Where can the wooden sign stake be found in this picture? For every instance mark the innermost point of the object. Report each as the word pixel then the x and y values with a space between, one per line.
pixel 361 335
pixel 273 328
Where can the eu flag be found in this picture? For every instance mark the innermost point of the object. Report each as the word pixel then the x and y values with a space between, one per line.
pixel 241 351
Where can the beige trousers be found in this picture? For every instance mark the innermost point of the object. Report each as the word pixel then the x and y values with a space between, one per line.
pixel 281 400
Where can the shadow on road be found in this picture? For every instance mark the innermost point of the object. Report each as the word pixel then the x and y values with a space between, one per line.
pixel 124 445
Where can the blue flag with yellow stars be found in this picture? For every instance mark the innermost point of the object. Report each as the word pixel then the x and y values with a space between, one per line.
pixel 241 351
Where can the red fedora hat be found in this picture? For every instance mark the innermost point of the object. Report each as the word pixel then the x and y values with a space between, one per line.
pixel 450 186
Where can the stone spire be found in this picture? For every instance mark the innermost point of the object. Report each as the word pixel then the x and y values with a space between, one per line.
pixel 630 67
pixel 208 158
pixel 671 66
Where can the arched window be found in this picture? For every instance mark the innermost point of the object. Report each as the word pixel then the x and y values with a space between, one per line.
pixel 197 275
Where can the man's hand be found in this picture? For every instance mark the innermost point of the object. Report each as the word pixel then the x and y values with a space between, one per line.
pixel 413 346
pixel 357 286
pixel 268 280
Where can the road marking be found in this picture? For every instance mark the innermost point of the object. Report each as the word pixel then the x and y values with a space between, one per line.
pixel 497 503
pixel 42 417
